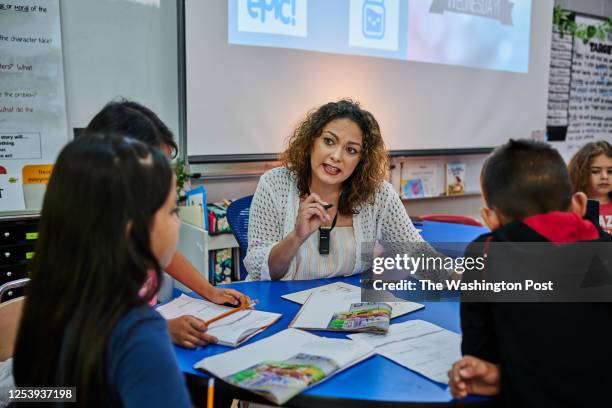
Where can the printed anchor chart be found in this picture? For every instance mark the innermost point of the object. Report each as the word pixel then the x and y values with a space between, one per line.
pixel 590 116
pixel 33 125
pixel 20 146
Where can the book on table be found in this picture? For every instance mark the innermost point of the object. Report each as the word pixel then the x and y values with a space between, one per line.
pixel 346 312
pixel 286 363
pixel 342 288
pixel 231 330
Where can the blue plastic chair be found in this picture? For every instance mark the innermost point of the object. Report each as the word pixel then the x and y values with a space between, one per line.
pixel 238 219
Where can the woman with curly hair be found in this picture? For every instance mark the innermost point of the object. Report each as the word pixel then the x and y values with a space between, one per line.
pixel 312 218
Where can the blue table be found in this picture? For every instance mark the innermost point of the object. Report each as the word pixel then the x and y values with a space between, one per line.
pixel 450 239
pixel 372 382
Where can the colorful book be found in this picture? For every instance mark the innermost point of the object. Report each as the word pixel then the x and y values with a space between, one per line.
pixel 286 363
pixel 428 174
pixel 455 178
pixel 370 317
pixel 412 188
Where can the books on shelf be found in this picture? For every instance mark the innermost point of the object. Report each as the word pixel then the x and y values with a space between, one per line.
pixel 418 345
pixel 346 312
pixel 286 363
pixel 197 197
pixel 231 330
pixel 455 178
pixel 419 179
pixel 221 264
pixel 412 188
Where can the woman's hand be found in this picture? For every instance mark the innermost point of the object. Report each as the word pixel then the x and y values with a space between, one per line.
pixel 311 215
pixel 189 332
pixel 472 375
pixel 231 296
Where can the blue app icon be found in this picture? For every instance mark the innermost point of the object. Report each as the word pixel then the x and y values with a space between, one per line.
pixel 373 25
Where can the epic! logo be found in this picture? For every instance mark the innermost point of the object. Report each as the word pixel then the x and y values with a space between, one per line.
pixel 284 17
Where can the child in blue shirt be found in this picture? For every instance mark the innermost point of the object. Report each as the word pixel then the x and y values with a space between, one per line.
pixel 108 218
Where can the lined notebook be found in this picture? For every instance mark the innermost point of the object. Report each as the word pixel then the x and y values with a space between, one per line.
pixel 231 330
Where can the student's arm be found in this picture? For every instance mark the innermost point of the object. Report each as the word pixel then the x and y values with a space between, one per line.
pixel 189 331
pixel 182 270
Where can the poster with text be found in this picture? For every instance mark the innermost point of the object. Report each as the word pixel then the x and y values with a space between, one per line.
pixel 590 92
pixel 33 127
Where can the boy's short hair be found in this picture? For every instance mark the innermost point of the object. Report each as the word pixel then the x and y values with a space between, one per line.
pixel 136 120
pixel 523 178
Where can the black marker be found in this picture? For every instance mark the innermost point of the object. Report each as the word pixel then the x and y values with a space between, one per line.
pixel 328 206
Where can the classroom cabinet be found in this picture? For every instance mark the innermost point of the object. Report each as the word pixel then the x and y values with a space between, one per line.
pixel 18 237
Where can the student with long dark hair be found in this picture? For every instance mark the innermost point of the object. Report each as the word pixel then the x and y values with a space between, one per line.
pixel 130 117
pixel 108 223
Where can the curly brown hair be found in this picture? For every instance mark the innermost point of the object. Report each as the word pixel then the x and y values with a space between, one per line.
pixel 362 184
pixel 580 165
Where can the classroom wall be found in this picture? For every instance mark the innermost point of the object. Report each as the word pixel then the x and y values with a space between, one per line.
pixel 120 48
pixel 594 7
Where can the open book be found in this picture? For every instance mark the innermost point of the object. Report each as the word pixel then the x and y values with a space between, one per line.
pixel 283 365
pixel 345 312
pixel 231 330
pixel 342 288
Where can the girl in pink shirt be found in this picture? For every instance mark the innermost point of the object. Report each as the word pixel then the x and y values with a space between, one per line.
pixel 591 172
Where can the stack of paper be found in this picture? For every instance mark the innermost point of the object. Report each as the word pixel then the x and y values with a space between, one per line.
pixel 340 289
pixel 283 365
pixel 321 310
pixel 418 345
pixel 231 330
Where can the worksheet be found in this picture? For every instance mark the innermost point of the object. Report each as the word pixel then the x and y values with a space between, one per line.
pixel 421 346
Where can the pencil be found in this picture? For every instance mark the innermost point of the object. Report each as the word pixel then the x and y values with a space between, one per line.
pixel 211 393
pixel 229 313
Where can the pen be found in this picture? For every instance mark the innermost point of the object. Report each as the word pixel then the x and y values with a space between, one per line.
pixel 230 312
pixel 211 393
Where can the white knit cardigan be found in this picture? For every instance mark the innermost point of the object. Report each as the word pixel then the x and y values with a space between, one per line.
pixel 274 211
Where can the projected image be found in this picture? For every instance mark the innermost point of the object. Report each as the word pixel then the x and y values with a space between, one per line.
pixel 490 34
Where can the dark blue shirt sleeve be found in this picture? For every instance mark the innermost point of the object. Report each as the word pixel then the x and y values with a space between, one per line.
pixel 142 370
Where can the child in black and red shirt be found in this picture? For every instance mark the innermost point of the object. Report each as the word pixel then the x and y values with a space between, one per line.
pixel 534 354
